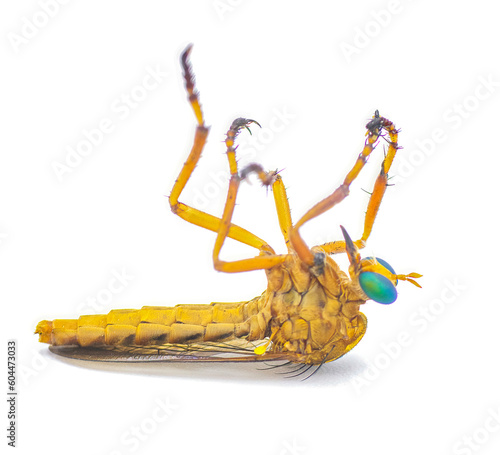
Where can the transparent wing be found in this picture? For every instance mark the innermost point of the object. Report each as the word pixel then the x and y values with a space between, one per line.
pixel 234 351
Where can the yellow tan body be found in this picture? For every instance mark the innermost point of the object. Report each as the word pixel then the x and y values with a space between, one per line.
pixel 307 317
pixel 309 312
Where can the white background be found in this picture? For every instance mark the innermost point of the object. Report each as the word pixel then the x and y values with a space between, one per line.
pixel 423 380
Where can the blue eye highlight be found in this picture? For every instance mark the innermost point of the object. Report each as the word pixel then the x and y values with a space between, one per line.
pixel 381 262
pixel 378 287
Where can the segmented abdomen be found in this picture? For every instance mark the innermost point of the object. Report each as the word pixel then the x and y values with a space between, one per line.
pixel 159 325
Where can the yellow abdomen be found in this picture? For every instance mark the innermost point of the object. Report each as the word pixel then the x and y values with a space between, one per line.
pixel 158 325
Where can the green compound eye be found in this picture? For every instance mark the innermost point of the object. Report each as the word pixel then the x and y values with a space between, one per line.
pixel 378 287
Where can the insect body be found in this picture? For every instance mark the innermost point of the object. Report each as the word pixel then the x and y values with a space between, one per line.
pixel 309 313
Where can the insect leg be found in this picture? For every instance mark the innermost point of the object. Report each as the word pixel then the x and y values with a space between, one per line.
pixel 282 209
pixel 186 212
pixel 377 193
pixel 267 259
pixel 374 128
pixel 280 197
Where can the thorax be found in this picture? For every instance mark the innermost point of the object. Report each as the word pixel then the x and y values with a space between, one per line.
pixel 307 312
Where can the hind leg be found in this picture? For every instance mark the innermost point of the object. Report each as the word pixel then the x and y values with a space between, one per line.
pixel 186 212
